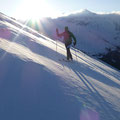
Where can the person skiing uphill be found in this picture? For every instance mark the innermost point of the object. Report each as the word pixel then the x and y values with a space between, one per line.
pixel 68 41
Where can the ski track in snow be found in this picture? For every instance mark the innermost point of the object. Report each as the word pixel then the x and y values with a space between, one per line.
pixel 34 84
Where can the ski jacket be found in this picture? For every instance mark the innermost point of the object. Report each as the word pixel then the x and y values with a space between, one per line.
pixel 67 37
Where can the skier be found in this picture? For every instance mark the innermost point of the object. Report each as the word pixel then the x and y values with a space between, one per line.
pixel 67 40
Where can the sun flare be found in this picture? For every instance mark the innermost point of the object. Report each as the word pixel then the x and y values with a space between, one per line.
pixel 34 9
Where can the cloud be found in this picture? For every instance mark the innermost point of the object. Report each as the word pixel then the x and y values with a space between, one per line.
pixel 107 13
pixel 85 11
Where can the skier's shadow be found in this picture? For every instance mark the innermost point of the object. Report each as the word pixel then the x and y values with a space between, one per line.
pixel 87 69
pixel 94 65
pixel 104 106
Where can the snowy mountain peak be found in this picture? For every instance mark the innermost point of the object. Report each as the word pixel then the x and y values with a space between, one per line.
pixel 86 12
pixel 83 12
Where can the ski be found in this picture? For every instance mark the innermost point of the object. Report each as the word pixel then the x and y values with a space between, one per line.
pixel 65 60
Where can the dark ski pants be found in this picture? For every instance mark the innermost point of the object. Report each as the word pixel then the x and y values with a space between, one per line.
pixel 69 55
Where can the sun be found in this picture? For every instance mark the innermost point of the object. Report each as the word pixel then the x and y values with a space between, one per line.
pixel 34 9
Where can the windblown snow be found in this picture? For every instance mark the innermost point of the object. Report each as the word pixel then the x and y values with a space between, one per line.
pixel 35 85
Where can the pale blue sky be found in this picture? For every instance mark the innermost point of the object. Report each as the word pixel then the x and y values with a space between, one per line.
pixel 21 8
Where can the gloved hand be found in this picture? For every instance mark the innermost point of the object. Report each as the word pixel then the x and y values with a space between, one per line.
pixel 74 43
pixel 57 32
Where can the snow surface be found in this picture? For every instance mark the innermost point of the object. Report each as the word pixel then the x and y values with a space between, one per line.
pixel 35 85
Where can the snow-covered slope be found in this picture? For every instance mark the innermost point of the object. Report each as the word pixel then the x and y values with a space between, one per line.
pixel 35 85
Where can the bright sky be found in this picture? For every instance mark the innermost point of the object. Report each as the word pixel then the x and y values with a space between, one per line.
pixel 52 8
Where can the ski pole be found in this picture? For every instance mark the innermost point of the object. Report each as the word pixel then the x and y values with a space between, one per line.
pixel 56 45
pixel 76 53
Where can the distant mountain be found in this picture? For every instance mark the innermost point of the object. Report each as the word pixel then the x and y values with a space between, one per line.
pixel 97 34
pixel 83 12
